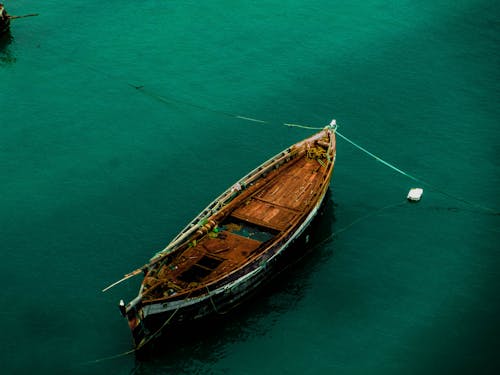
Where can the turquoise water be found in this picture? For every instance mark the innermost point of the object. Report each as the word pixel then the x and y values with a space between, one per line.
pixel 97 176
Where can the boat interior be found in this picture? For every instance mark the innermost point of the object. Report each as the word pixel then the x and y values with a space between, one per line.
pixel 265 212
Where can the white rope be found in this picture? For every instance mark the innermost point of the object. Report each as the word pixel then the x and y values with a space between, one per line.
pixel 301 126
pixel 380 159
pixel 173 101
pixel 250 119
pixel 435 188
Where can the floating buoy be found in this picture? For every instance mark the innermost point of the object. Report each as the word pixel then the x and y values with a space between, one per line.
pixel 415 194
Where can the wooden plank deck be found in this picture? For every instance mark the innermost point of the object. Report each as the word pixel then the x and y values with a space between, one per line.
pixel 285 198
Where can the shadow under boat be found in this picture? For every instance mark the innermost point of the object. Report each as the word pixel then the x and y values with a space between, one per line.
pixel 5 39
pixel 6 56
pixel 207 336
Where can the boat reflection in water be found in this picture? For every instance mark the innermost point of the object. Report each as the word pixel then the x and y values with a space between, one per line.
pixel 5 38
pixel 6 55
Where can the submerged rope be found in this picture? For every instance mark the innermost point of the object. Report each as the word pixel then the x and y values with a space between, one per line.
pixel 355 221
pixel 212 302
pixel 124 354
pixel 171 101
pixel 377 158
pixel 142 344
pixel 433 187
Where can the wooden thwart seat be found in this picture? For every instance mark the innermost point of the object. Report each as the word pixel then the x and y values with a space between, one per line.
pixel 265 214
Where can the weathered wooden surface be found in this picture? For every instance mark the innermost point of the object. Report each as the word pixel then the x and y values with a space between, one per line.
pixel 259 215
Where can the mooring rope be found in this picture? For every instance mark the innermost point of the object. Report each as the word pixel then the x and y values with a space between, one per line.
pixel 142 344
pixel 301 126
pixel 151 337
pixel 355 221
pixel 380 159
pixel 123 354
pixel 212 301
pixel 433 187
pixel 172 101
pixel 377 158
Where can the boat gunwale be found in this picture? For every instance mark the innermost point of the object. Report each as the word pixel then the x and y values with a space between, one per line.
pixel 227 196
pixel 280 244
pixel 282 236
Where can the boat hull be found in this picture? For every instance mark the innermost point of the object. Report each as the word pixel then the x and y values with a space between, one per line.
pixel 4 23
pixel 236 245
pixel 160 319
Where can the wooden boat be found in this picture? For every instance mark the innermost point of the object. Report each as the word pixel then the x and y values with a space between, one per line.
pixel 4 20
pixel 236 244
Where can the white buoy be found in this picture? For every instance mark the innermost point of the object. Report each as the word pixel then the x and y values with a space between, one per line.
pixel 415 194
